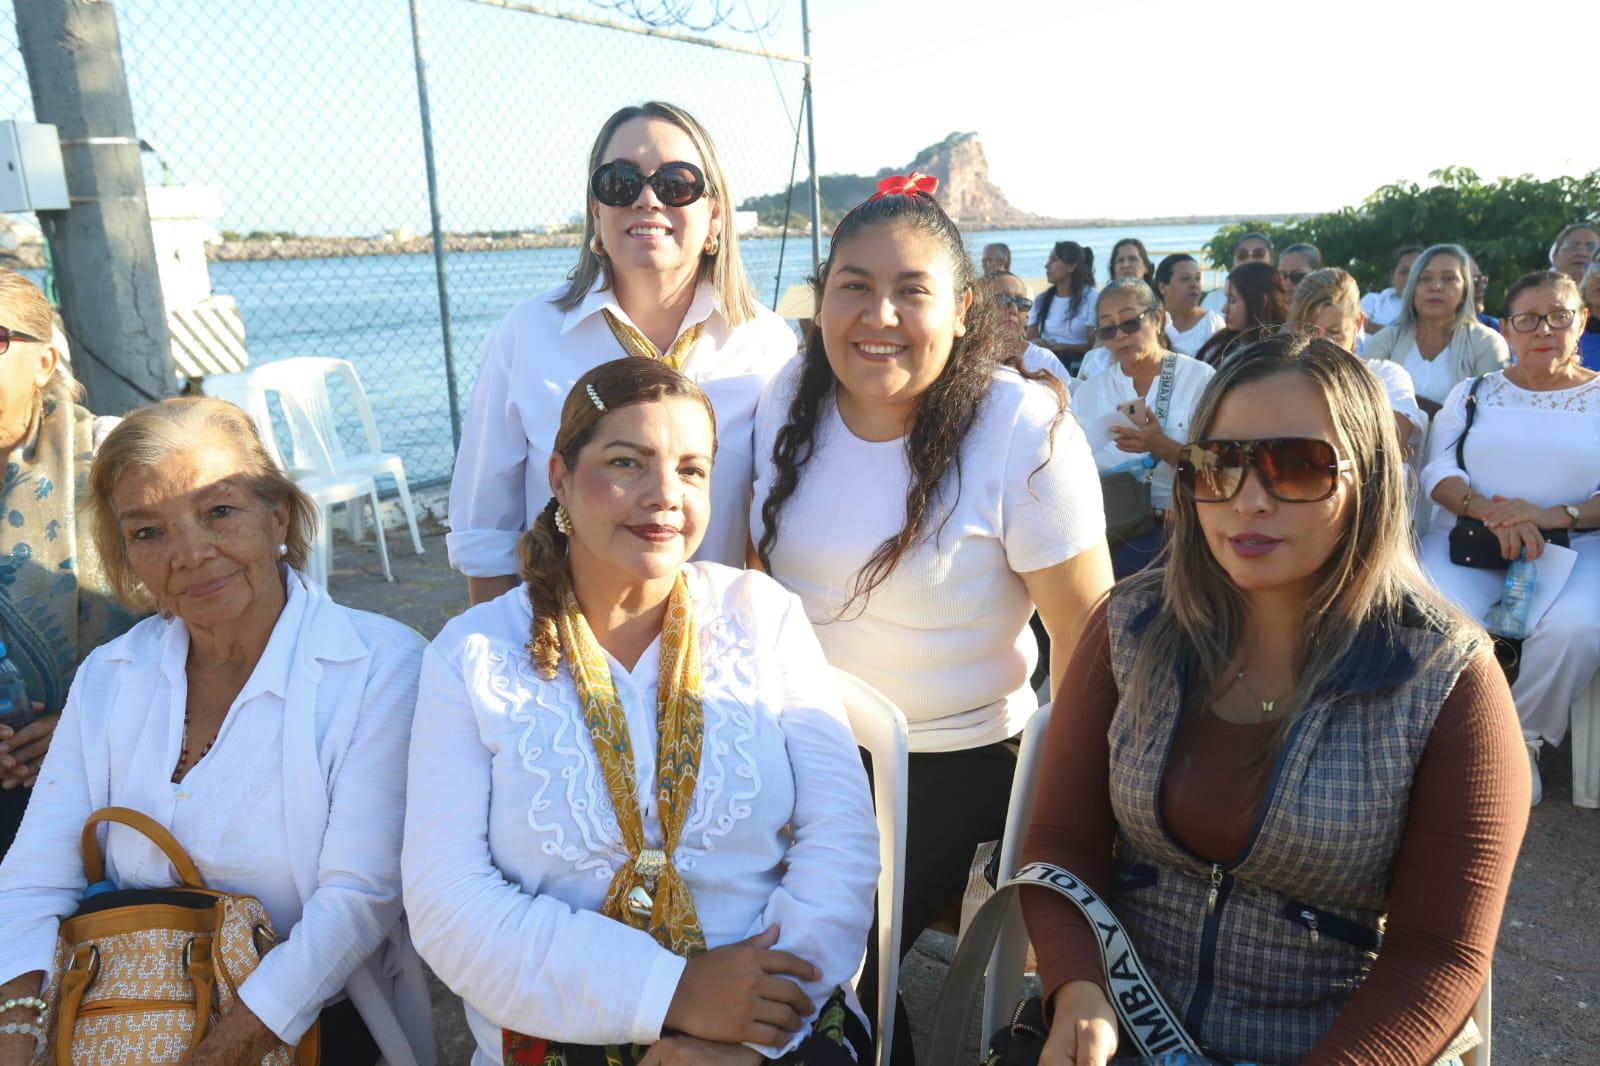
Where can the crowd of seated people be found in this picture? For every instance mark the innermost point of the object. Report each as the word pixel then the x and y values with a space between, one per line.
pixel 616 805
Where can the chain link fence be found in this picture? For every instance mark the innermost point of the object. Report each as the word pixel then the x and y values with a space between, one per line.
pixel 305 119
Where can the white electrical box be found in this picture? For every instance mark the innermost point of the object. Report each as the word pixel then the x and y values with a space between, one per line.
pixel 31 175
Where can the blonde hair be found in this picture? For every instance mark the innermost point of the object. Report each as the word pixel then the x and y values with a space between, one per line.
pixel 145 438
pixel 1328 287
pixel 30 313
pixel 724 269
pixel 1372 574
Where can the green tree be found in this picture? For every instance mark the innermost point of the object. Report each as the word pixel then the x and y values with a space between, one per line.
pixel 1507 225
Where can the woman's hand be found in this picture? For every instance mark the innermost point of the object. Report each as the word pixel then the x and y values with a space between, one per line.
pixel 692 1051
pixel 1508 511
pixel 21 749
pixel 1083 1027
pixel 1519 537
pixel 741 993
pixel 1145 436
pixel 240 1039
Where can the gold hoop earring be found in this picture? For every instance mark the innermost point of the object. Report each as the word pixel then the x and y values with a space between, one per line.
pixel 713 245
pixel 596 247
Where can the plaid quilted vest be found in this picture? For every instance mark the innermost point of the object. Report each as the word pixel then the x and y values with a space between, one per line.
pixel 1258 955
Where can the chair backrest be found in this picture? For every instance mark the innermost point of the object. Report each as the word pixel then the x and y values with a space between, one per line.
pixel 307 377
pixel 301 387
pixel 1483 1015
pixel 1004 985
pixel 880 728
pixel 239 390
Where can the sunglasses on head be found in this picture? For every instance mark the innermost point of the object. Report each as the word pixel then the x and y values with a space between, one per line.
pixel 1292 469
pixel 9 335
pixel 1130 326
pixel 1021 303
pixel 619 183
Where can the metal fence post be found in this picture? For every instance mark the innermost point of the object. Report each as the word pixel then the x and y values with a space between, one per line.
pixel 811 137
pixel 438 228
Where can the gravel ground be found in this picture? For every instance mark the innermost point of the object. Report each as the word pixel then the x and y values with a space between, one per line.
pixel 1546 967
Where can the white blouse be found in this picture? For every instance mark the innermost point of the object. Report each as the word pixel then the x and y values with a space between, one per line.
pixel 1430 378
pixel 946 635
pixel 326 713
pixel 1062 327
pixel 1382 308
pixel 1543 447
pixel 1096 404
pixel 530 362
pixel 1191 340
pixel 512 839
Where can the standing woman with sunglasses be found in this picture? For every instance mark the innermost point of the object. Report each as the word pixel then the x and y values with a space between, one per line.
pixel 658 277
pixel 1290 768
pixel 1528 464
pixel 1137 411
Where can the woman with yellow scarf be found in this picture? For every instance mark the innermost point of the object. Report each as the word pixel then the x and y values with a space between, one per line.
pixel 638 829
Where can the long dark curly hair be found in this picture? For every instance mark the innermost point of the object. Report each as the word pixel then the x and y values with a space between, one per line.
pixel 945 412
pixel 1266 302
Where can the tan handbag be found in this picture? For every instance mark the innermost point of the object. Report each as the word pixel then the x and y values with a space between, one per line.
pixel 141 975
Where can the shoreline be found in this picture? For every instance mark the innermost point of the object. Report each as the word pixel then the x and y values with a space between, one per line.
pixel 31 256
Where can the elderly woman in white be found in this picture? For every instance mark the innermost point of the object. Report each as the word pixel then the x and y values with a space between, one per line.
pixel 1136 411
pixel 640 823
pixel 658 277
pixel 1438 338
pixel 1531 464
pixel 262 724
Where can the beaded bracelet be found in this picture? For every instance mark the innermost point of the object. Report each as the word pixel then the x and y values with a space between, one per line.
pixel 39 1006
pixel 31 1030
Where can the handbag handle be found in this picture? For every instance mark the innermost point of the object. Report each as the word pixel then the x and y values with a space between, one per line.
pixel 94 866
pixel 1472 412
pixel 1145 1019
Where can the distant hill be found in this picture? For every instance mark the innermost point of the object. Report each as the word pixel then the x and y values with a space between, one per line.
pixel 958 162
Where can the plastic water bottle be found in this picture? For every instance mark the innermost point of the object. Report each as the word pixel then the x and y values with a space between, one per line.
pixel 1509 617
pixel 16 710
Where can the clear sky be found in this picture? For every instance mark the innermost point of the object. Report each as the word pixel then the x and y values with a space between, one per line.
pixel 303 112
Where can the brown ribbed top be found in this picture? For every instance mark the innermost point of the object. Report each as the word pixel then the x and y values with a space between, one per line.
pixel 1469 807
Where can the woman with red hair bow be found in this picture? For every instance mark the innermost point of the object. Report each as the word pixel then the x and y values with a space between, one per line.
pixel 921 493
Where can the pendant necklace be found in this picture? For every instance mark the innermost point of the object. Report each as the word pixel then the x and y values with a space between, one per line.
pixel 1267 706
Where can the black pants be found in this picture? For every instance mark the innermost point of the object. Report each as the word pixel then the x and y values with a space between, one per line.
pixel 954 802
pixel 345 1038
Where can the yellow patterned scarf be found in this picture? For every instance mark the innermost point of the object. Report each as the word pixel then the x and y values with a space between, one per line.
pixel 635 343
pixel 647 892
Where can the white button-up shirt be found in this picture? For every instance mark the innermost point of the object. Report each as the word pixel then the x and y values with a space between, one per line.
pixel 326 712
pixel 531 361
pixel 512 840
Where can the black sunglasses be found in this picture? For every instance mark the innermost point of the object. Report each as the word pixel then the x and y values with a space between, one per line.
pixel 1295 277
pixel 9 335
pixel 1021 303
pixel 619 183
pixel 1292 469
pixel 1130 326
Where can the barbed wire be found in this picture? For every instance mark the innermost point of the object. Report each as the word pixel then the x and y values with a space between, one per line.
pixel 718 13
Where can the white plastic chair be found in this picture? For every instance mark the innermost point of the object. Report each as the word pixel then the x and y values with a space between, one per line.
pixel 880 728
pixel 1586 747
pixel 1003 987
pixel 326 490
pixel 1483 1015
pixel 305 377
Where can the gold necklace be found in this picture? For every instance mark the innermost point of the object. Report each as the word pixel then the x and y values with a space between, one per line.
pixel 1267 706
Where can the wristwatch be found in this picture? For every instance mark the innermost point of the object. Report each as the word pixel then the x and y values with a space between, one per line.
pixel 1572 513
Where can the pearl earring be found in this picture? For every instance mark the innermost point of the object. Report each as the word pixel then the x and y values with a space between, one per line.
pixel 283 549
pixel 563 521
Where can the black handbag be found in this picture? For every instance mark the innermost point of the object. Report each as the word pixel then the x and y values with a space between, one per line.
pixel 1473 544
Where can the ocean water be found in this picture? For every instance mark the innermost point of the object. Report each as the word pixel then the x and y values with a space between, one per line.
pixel 382 314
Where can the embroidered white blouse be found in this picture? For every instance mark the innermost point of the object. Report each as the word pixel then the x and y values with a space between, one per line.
pixel 511 838
pixel 326 713
pixel 530 362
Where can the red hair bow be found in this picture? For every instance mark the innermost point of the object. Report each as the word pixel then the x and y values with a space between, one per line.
pixel 906 185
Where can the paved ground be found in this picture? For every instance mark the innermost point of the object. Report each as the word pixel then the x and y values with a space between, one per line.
pixel 1547 967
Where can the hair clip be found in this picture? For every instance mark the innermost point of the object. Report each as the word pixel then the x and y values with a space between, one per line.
pixel 594 397
pixel 906 185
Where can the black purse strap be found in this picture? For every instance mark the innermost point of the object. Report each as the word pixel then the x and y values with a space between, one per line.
pixel 1472 413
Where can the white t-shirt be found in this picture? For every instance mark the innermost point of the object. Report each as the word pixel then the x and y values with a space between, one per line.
pixel 530 362
pixel 1402 396
pixel 1190 340
pixel 1060 327
pixel 946 635
pixel 1430 377
pixel 1381 308
pixel 1094 361
pixel 1036 359
pixel 1095 404
pixel 1215 301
